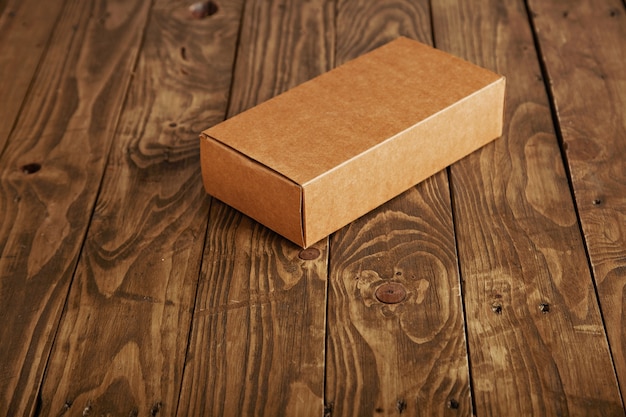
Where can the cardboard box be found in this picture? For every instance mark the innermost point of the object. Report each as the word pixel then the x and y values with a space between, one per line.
pixel 322 154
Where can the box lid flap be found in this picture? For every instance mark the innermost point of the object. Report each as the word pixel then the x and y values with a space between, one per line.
pixel 315 127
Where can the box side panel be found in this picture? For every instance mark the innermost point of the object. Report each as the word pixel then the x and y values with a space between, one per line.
pixel 362 184
pixel 252 188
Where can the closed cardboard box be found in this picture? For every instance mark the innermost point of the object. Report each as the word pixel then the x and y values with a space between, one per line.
pixel 322 154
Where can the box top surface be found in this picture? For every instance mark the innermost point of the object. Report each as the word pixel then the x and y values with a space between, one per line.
pixel 317 126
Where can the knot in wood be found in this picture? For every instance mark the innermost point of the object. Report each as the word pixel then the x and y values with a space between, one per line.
pixel 309 254
pixel 390 293
pixel 202 9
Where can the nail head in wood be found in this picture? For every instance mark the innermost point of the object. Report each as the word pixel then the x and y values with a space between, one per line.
pixel 309 254
pixel 31 168
pixel 156 408
pixel 453 404
pixel 390 293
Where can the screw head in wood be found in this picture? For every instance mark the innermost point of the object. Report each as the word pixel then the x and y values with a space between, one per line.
pixel 544 307
pixel 496 308
pixel 453 404
pixel 390 293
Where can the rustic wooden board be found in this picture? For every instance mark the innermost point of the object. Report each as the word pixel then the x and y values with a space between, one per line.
pixel 49 178
pixel 408 357
pixel 123 337
pixel 536 337
pixel 257 345
pixel 590 102
pixel 25 27
pixel 281 45
pixel 257 342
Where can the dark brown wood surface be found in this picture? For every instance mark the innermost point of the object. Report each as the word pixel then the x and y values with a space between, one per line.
pixel 51 170
pixel 257 342
pixel 529 296
pixel 25 29
pixel 590 102
pixel 125 290
pixel 134 289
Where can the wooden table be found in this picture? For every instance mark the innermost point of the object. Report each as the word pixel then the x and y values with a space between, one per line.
pixel 125 290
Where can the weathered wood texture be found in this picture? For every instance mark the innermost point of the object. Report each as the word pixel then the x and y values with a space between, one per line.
pixel 123 337
pixel 282 44
pixel 25 28
pixel 125 290
pixel 50 174
pixel 409 357
pixel 528 292
pixel 590 102
pixel 257 343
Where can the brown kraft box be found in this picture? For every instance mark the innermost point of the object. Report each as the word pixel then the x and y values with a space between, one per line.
pixel 313 159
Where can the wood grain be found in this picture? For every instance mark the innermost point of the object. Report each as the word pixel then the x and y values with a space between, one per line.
pixel 257 342
pixel 590 101
pixel 25 28
pixel 50 172
pixel 282 45
pixel 123 337
pixel 366 25
pixel 108 309
pixel 537 341
pixel 258 337
pixel 408 357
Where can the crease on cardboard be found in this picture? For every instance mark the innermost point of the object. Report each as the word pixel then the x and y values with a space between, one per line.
pixel 248 157
pixel 493 84
pixel 303 219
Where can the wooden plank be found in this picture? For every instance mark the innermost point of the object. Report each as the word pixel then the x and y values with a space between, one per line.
pixel 123 338
pixel 25 27
pixel 407 357
pixel 49 177
pixel 583 48
pixel 257 342
pixel 281 46
pixel 257 345
pixel 536 338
